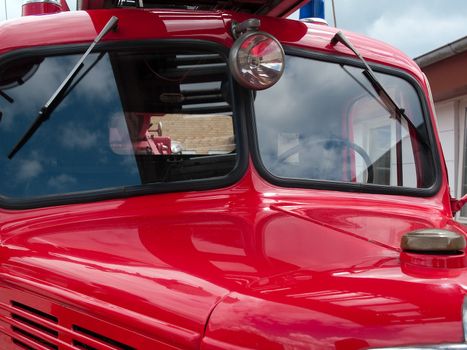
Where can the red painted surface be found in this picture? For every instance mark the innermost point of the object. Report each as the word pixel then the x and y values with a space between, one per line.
pixel 40 8
pixel 288 267
pixel 249 266
pixel 80 27
pixel 278 9
pixel 64 5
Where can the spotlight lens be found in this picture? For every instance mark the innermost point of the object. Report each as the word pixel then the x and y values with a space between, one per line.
pixel 257 60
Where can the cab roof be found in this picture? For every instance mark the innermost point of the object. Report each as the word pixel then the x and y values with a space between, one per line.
pixel 273 8
pixel 80 27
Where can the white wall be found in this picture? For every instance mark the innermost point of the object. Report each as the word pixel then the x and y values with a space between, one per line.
pixel 447 116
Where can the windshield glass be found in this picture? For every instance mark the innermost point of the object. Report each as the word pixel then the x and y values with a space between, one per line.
pixel 129 118
pixel 328 123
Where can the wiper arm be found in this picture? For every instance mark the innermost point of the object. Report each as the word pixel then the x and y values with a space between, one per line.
pixel 388 102
pixel 6 97
pixel 60 93
pixel 91 66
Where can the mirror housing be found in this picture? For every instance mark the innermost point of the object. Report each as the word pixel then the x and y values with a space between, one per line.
pixel 457 204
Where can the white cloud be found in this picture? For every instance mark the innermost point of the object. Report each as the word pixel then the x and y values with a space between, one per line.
pixel 28 169
pixel 418 30
pixel 76 137
pixel 61 182
pixel 415 27
pixel 99 83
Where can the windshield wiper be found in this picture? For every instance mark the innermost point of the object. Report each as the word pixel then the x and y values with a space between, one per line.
pixel 6 97
pixel 391 106
pixel 60 93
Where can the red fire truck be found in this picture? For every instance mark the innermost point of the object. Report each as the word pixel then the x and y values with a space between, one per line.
pixel 199 174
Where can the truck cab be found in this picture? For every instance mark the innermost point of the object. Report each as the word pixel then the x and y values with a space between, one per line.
pixel 212 175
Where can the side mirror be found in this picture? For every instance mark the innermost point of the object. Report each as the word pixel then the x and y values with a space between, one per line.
pixel 457 204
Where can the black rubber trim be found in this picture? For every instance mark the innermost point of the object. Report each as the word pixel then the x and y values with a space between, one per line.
pixel 343 186
pixel 138 190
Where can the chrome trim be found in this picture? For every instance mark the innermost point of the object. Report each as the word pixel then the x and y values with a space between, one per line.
pixel 315 20
pixel 55 2
pixel 433 240
pixel 235 49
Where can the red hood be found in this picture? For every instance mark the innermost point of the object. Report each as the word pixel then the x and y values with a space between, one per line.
pixel 160 269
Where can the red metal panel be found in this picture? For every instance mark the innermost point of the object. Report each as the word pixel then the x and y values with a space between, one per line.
pixel 274 9
pixel 157 265
pixel 40 8
pixel 91 4
pixel 78 27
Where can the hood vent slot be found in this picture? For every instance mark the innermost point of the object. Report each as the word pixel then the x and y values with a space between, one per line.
pixel 33 311
pixel 32 328
pixel 82 346
pixel 32 325
pixel 35 325
pixel 34 338
pixel 98 337
pixel 22 345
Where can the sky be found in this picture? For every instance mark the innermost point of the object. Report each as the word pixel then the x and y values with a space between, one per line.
pixel 416 26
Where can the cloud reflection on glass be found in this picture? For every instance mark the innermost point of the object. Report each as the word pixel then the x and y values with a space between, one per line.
pixel 65 153
pixel 327 123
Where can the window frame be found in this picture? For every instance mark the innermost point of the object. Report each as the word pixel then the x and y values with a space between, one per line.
pixel 239 127
pixel 348 186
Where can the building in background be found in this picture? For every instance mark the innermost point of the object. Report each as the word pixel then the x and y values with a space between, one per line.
pixel 446 69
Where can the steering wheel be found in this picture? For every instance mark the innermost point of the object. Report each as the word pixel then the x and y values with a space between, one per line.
pixel 328 143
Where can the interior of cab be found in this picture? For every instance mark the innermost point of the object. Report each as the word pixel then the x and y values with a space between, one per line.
pixel 178 113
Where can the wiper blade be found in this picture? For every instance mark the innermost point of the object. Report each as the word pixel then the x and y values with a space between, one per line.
pixel 60 93
pixel 391 106
pixel 6 97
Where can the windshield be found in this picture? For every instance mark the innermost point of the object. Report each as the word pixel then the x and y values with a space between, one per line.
pixel 328 124
pixel 129 118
